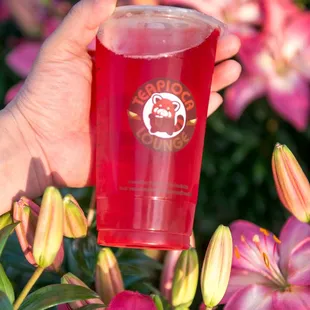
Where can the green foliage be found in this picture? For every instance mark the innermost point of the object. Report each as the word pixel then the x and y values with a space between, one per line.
pixel 6 286
pixel 5 302
pixel 4 235
pixel 56 294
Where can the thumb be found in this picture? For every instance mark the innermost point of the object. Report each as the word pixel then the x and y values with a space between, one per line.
pixel 80 26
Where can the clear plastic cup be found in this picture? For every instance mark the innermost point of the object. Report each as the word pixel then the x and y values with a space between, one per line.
pixel 154 67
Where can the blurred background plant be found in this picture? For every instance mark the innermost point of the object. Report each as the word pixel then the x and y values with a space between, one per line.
pixel 236 177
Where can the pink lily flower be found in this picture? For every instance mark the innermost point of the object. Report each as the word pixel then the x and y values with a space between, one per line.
pixel 4 11
pixel 276 64
pixel 269 273
pixel 241 16
pixel 131 301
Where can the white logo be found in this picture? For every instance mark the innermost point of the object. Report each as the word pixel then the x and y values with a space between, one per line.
pixel 164 115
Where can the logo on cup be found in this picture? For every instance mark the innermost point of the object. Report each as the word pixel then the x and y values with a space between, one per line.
pixel 162 115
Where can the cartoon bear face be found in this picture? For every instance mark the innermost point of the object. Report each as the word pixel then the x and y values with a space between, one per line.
pixel 164 108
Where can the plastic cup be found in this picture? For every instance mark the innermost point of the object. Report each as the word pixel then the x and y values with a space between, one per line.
pixel 154 67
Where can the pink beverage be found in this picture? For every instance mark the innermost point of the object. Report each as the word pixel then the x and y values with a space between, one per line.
pixel 154 70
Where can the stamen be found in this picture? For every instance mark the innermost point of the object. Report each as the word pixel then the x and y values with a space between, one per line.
pixel 256 239
pixel 237 253
pixel 266 260
pixel 264 231
pixel 276 239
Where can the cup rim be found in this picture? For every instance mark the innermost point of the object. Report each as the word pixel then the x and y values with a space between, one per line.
pixel 173 11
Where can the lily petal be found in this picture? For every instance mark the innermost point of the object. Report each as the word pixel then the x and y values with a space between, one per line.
pixel 289 94
pixel 131 301
pixel 292 233
pixel 249 12
pixel 256 297
pixel 297 34
pixel 256 249
pixel 241 94
pixel 22 57
pixel 239 279
pixel 298 266
pixel 297 298
pixel 276 14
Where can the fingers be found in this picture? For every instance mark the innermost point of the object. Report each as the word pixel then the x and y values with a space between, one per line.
pixel 228 46
pixel 215 101
pixel 81 25
pixel 225 74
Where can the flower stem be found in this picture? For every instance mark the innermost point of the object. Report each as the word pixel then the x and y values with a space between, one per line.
pixel 36 275
pixel 91 212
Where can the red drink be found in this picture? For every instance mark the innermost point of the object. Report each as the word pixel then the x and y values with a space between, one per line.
pixel 153 85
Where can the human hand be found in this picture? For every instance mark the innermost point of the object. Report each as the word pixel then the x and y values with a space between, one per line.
pixel 54 103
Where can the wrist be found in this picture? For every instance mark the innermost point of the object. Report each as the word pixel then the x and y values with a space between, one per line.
pixel 23 167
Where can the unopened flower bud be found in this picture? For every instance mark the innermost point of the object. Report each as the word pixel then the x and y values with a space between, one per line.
pixel 5 220
pixel 70 278
pixel 168 270
pixel 75 222
pixel 109 280
pixel 292 185
pixel 185 279
pixel 216 267
pixel 26 212
pixel 49 233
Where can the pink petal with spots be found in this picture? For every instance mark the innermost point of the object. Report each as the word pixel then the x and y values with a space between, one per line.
pixel 239 279
pixel 296 299
pixel 277 13
pixel 292 233
pixel 12 92
pixel 252 297
pixel 298 266
pixel 250 244
pixel 241 94
pixel 22 57
pixel 290 96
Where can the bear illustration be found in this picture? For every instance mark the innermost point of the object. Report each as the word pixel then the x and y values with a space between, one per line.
pixel 163 117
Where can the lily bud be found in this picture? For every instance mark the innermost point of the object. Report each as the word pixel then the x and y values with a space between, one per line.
pixel 75 222
pixel 185 279
pixel 216 267
pixel 168 270
pixel 49 233
pixel 109 281
pixel 292 185
pixel 5 220
pixel 70 278
pixel 26 212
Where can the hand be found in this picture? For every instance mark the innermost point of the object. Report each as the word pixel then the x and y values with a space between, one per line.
pixel 54 104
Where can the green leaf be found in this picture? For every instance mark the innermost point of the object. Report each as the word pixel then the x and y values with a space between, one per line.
pixel 93 306
pixel 5 285
pixel 4 302
pixel 56 294
pixel 4 235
